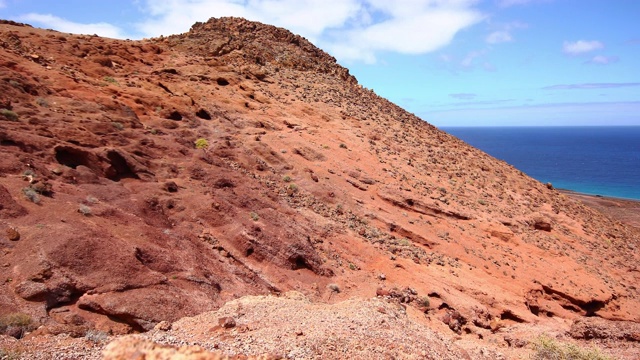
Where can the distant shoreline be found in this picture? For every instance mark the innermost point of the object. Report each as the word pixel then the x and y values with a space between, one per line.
pixel 590 159
pixel 624 210
pixel 598 196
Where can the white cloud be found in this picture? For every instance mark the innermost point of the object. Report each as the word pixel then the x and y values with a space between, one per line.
pixel 307 17
pixel 497 37
pixel 416 34
pixel 59 24
pixel 603 60
pixel 467 62
pixel 508 3
pixel 581 46
pixel 349 29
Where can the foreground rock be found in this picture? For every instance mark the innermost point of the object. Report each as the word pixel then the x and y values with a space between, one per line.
pixel 291 327
pixel 135 348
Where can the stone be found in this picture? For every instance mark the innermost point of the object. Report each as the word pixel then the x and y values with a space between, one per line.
pixel 163 326
pixel 13 234
pixel 227 322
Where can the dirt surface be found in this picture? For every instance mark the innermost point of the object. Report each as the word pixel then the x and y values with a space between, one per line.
pixel 142 182
pixel 623 210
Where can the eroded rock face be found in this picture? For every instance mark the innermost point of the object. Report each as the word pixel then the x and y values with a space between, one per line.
pixel 308 182
pixel 597 328
pixel 9 207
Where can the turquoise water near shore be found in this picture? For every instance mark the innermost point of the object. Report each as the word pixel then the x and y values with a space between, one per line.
pixel 592 160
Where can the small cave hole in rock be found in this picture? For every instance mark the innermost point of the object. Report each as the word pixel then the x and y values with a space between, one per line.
pixel 170 204
pixel 170 71
pixel 592 306
pixel 71 157
pixel 249 252
pixel 222 81
pixel 223 183
pixel 175 115
pixel 508 315
pixel 444 306
pixel 409 202
pixel 8 143
pixel 143 257
pixel 119 168
pixel 299 262
pixel 203 114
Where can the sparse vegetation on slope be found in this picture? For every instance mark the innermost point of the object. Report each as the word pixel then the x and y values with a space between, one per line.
pixel 238 159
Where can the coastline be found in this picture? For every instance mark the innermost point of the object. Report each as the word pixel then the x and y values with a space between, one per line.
pixel 623 210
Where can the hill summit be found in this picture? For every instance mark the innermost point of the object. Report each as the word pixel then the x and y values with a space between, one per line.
pixel 142 182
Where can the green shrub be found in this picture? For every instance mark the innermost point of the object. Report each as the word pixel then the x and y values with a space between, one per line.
pixel 547 348
pixel 117 125
pixel 424 301
pixel 91 200
pixel 202 144
pixel 9 115
pixel 96 336
pixel 28 175
pixel 110 79
pixel 42 102
pixel 286 178
pixel 16 325
pixel 84 210
pixel 254 216
pixel 32 195
pixel 15 319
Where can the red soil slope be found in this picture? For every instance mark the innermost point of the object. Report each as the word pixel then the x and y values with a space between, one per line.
pixel 308 180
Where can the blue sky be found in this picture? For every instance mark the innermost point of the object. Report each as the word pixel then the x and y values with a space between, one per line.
pixel 451 62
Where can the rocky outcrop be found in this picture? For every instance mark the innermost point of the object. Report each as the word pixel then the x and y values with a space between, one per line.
pixel 9 207
pixel 597 328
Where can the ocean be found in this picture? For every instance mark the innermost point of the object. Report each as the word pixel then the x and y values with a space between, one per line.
pixel 592 160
